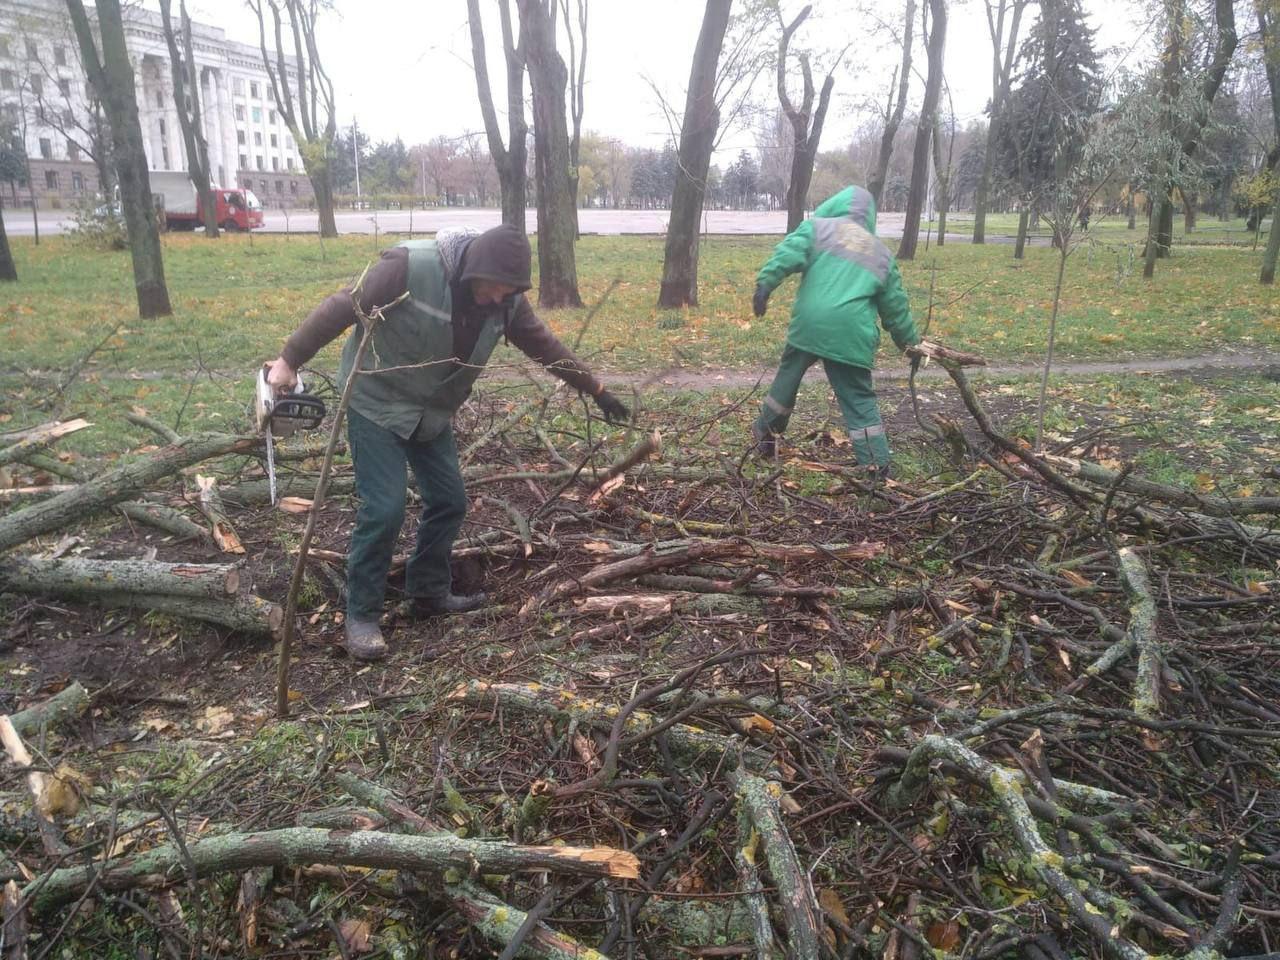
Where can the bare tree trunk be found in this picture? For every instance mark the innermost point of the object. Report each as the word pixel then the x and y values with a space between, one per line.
pixel 186 88
pixel 8 270
pixel 928 113
pixel 112 78
pixel 1271 63
pixel 942 174
pixel 510 160
pixel 894 110
pixel 804 137
pixel 311 88
pixel 1020 244
pixel 35 209
pixel 697 138
pixel 1189 201
pixel 1132 210
pixel 548 76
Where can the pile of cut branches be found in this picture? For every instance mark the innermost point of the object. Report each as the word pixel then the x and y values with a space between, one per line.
pixel 718 708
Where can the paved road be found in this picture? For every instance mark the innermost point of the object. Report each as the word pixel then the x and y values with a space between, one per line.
pixel 606 222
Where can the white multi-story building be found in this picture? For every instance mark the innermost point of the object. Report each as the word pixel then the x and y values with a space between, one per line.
pixel 45 104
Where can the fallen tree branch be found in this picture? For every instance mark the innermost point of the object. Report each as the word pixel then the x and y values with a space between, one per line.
pixel 500 922
pixel 123 483
pixel 1006 789
pixel 38 438
pixel 299 846
pixel 1142 628
pixel 759 802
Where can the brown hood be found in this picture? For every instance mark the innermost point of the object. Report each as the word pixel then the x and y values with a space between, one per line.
pixel 502 255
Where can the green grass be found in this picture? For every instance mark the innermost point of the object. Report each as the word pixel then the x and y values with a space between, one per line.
pixel 237 299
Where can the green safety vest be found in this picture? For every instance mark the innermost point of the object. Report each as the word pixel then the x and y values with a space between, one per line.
pixel 422 386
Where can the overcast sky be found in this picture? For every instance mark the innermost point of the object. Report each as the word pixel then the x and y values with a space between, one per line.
pixel 403 67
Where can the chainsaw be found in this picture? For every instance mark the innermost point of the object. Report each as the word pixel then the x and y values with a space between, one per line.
pixel 283 415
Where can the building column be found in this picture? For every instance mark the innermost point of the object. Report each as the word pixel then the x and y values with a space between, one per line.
pixel 173 126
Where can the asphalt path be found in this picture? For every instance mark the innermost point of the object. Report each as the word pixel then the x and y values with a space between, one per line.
pixel 602 222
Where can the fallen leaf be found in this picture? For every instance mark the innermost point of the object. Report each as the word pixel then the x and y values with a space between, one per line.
pixel 943 936
pixel 355 934
pixel 215 720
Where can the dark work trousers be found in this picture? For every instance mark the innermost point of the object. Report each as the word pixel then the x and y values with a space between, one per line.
pixel 380 459
pixel 852 386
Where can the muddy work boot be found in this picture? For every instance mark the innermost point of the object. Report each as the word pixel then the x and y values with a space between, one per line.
pixel 765 445
pixel 420 608
pixel 363 640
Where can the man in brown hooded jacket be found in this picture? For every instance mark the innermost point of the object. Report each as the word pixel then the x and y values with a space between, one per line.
pixel 465 293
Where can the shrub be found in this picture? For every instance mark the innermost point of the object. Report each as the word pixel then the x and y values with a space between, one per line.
pixel 99 226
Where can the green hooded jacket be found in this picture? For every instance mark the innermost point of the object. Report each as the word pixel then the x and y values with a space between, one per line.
pixel 850 278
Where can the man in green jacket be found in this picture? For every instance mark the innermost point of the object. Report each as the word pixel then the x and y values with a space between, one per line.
pixel 849 280
pixel 465 293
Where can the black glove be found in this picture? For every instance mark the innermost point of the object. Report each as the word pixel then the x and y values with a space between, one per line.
pixel 614 410
pixel 760 302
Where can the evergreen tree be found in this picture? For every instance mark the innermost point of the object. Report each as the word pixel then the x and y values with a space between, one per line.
pixel 1058 88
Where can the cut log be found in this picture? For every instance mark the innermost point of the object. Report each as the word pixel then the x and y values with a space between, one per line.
pixel 123 483
pixel 68 702
pixel 247 614
pixel 297 846
pixel 258 492
pixel 77 576
pixel 39 437
pixel 210 504
pixel 759 799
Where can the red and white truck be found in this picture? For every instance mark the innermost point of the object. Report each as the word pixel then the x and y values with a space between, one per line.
pixel 237 209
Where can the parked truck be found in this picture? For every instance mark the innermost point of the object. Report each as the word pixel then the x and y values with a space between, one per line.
pixel 236 209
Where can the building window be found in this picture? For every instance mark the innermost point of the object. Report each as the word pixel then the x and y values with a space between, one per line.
pixel 275 164
pixel 64 87
pixel 288 142
pixel 257 139
pixel 37 85
pixel 163 131
pixel 257 114
pixel 33 51
pixel 77 181
pixel 293 187
pixel 46 148
pixel 60 56
pixel 4 46
pixel 254 90
pixel 164 153
pixel 259 163
pixel 275 140
pixel 272 116
pixel 244 162
pixel 68 117
pixel 289 163
pixel 159 98
pixel 240 138
pixel 51 179
pixel 239 113
pixel 6 79
pixel 73 150
pixel 279 186
pixel 263 184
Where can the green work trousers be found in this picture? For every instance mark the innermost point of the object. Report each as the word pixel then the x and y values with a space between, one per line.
pixel 853 390
pixel 380 460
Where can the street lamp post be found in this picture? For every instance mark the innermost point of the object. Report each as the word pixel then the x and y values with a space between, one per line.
pixel 355 151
